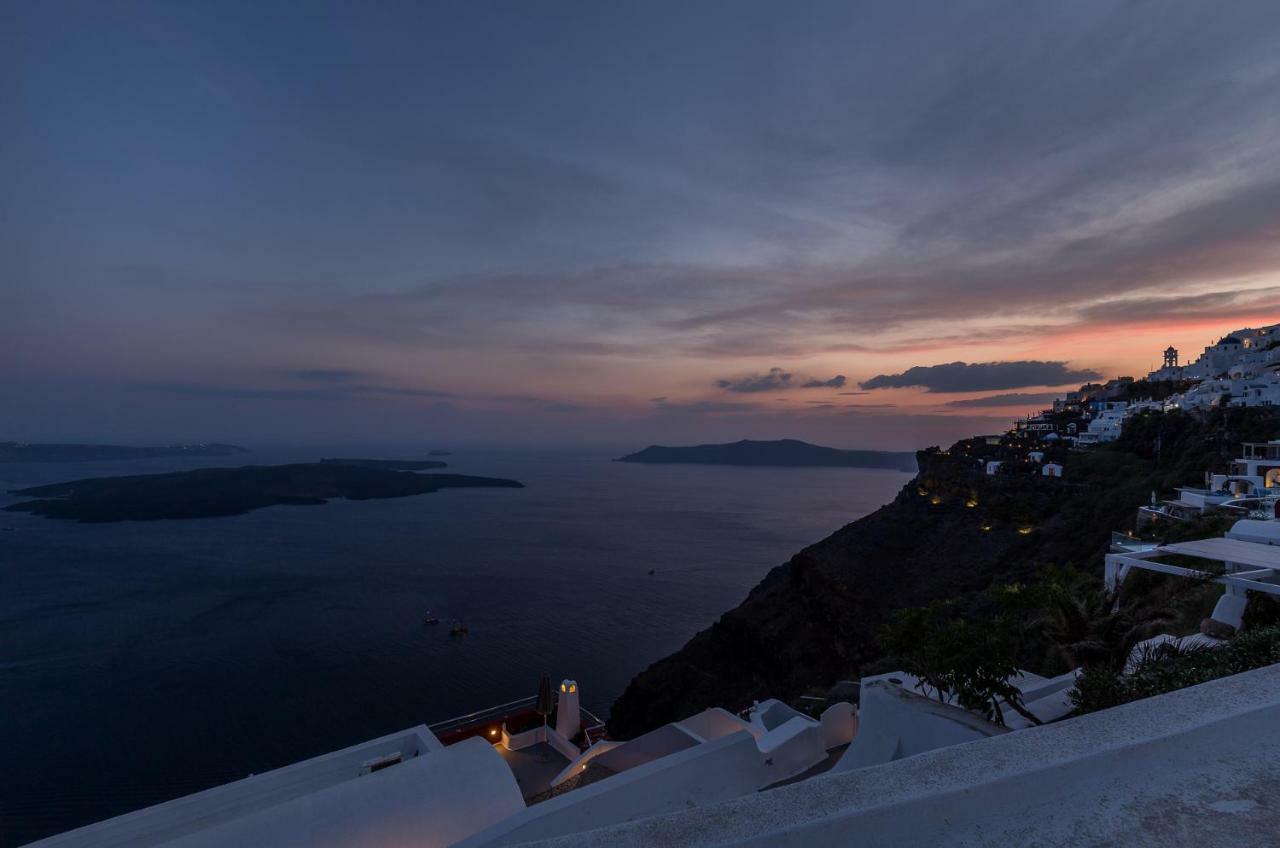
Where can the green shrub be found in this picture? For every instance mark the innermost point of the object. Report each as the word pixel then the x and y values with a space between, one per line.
pixel 1165 669
pixel 1261 611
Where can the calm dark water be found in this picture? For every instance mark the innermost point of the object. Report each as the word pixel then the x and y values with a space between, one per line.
pixel 141 661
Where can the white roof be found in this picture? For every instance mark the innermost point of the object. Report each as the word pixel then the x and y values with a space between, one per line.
pixel 1228 550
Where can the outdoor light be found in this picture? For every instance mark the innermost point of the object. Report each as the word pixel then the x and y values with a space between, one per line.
pixel 493 731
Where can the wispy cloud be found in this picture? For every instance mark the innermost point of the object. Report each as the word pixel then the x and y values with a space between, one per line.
pixel 325 375
pixel 1008 399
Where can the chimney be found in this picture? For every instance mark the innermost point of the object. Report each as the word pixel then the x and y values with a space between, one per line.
pixel 568 716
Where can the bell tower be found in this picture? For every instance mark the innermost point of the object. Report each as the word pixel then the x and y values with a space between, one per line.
pixel 1171 357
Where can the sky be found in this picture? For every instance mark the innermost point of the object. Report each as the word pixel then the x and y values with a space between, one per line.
pixel 879 225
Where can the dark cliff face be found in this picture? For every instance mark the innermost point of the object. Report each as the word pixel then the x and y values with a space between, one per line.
pixel 953 530
pixel 813 621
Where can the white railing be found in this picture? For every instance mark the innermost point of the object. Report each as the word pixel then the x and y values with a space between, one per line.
pixel 480 715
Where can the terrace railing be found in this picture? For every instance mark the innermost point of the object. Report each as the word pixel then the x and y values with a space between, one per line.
pixel 485 715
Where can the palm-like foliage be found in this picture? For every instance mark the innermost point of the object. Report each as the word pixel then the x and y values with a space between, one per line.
pixel 1083 624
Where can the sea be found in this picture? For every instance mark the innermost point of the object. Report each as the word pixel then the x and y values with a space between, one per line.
pixel 141 661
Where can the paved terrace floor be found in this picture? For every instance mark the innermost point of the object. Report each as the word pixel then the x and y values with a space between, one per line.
pixel 534 767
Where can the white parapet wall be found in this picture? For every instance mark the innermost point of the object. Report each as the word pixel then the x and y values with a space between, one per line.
pixel 1196 767
pixel 429 801
pixel 894 723
pixel 167 821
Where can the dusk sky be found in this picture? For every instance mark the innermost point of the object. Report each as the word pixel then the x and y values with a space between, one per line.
pixel 544 222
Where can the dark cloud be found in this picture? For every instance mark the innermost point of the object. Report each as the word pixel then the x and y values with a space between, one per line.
pixel 982 376
pixel 1008 399
pixel 777 379
pixel 771 381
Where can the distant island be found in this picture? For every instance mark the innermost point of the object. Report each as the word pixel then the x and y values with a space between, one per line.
pixel 390 464
pixel 210 492
pixel 783 452
pixel 24 452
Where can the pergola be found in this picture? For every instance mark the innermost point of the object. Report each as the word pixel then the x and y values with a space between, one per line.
pixel 1246 565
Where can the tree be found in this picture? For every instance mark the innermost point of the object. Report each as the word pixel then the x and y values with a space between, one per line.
pixel 972 661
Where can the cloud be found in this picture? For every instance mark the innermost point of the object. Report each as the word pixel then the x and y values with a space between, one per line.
pixel 773 380
pixel 982 376
pixel 1159 309
pixel 1008 399
pixel 711 407
pixel 836 382
pixel 777 379
pixel 340 390
pixel 1013 175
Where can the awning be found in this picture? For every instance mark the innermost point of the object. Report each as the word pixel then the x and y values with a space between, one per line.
pixel 1228 550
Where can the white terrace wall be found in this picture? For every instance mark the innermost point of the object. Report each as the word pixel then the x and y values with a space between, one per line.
pixel 713 723
pixel 894 723
pixel 427 802
pixel 163 822
pixel 1196 767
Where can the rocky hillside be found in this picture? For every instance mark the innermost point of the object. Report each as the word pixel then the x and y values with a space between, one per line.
pixel 952 530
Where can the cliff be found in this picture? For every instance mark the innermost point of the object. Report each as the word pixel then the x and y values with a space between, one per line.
pixel 952 530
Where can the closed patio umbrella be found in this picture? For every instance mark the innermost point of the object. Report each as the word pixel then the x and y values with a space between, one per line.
pixel 545 705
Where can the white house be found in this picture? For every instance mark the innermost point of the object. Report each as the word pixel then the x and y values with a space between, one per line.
pixel 1107 426
pixel 1051 469
pixel 993 465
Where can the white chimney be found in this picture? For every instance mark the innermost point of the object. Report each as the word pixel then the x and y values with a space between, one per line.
pixel 568 717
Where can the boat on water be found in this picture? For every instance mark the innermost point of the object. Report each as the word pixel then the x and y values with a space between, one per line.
pixel 459 628
pixel 430 619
